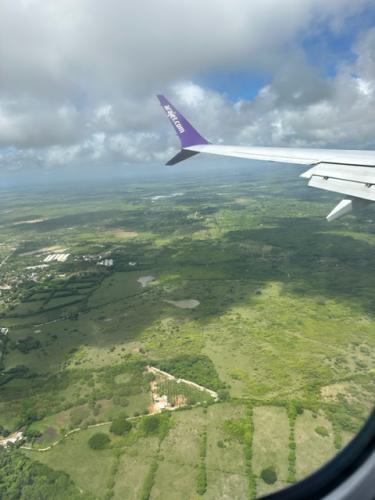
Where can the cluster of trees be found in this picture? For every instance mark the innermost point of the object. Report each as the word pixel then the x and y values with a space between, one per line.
pixel 202 472
pixel 99 441
pixel 149 481
pixel 197 368
pixel 293 409
pixel 153 425
pixel 322 431
pixel 248 452
pixel 24 479
pixel 156 425
pixel 19 371
pixel 190 394
pixel 121 426
pixel 27 344
pixel 37 405
pixel 242 430
pixel 345 416
pixel 3 431
pixel 32 434
pixel 3 345
pixel 113 473
pixel 236 428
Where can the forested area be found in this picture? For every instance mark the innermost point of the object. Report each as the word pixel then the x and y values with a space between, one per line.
pixel 199 369
pixel 23 479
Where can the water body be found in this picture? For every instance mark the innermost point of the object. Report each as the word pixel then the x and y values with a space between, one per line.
pixel 184 304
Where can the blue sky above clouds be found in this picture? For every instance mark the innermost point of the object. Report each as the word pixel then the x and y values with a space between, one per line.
pixel 78 79
pixel 325 48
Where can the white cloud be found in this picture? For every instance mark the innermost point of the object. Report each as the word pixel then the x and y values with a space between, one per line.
pixel 77 79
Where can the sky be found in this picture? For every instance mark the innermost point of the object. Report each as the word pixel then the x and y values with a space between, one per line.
pixel 78 78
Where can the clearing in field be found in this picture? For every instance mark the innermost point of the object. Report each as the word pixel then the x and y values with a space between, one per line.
pixel 174 481
pixel 172 394
pixel 180 453
pixel 122 233
pixel 314 443
pixel 224 486
pixel 89 469
pixel 224 454
pixel 182 443
pixel 184 304
pixel 133 467
pixel 226 474
pixel 145 280
pixel 270 446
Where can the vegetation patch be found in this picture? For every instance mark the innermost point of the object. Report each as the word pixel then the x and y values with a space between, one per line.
pixel 274 328
pixel 99 441
pixel 27 344
pixel 225 461
pixel 202 471
pixel 322 431
pixel 269 475
pixel 270 445
pixel 121 426
pixel 199 369
pixel 155 425
pixel 24 479
pixel 312 448
pixel 181 393
pixel 149 481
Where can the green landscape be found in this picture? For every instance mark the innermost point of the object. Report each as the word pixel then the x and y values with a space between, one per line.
pixel 256 315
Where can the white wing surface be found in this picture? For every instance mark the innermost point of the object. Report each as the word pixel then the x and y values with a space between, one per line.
pixel 350 172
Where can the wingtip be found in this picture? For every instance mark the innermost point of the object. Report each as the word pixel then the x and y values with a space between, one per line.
pixel 187 134
pixel 182 155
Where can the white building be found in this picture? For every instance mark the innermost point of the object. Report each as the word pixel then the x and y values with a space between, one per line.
pixel 12 439
pixel 106 262
pixel 59 257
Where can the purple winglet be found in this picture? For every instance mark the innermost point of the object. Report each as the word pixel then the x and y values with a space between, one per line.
pixel 188 135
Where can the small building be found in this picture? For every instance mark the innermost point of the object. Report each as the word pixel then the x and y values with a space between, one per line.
pixel 163 402
pixel 106 263
pixel 12 439
pixel 4 331
pixel 58 257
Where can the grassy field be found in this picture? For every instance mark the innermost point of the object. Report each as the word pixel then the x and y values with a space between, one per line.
pixel 226 472
pixel 89 469
pixel 283 329
pixel 133 468
pixel 178 455
pixel 313 449
pixel 270 446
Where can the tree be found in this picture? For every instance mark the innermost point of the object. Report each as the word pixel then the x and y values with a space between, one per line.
pixel 99 441
pixel 121 426
pixel 24 479
pixel 32 434
pixel 201 480
pixel 269 475
pixel 150 425
pixel 4 432
pixel 322 431
pixel 223 394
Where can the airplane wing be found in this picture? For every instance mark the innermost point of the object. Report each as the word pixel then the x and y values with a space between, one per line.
pixel 349 172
